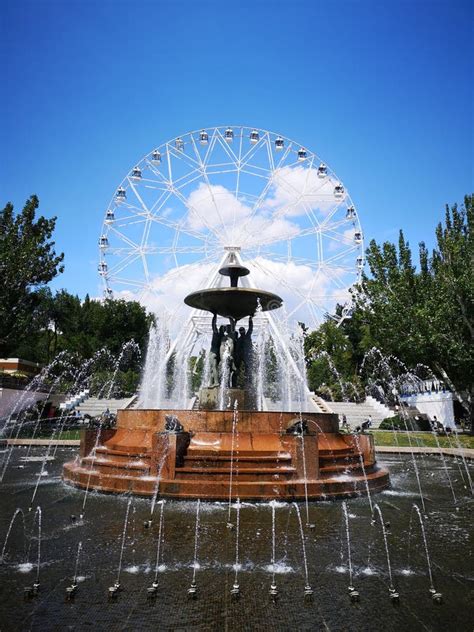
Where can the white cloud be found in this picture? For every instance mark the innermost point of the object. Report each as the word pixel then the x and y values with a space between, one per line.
pixel 217 209
pixel 215 206
pixel 297 189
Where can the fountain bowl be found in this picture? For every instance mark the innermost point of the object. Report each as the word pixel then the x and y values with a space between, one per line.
pixel 233 302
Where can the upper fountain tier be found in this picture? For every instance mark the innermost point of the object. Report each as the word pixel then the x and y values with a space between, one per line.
pixel 233 302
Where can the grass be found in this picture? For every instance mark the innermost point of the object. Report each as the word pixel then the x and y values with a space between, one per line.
pixel 70 434
pixel 65 434
pixel 400 439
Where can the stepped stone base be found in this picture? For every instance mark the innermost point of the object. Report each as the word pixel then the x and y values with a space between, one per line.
pixel 206 460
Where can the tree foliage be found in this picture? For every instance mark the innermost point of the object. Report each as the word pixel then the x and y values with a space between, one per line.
pixel 332 363
pixel 416 313
pixel 84 327
pixel 425 314
pixel 28 262
pixel 452 299
pixel 34 323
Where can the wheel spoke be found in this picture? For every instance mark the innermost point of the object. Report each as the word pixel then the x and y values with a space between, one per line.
pixel 177 217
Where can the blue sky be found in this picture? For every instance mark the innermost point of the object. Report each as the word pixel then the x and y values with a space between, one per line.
pixel 382 91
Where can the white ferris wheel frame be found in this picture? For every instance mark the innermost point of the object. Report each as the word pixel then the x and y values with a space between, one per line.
pixel 240 160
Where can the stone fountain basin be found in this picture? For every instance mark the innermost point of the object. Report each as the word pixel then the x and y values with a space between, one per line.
pixel 266 462
pixel 233 302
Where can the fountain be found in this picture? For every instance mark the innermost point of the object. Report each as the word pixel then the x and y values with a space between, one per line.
pixel 227 446
pixel 243 438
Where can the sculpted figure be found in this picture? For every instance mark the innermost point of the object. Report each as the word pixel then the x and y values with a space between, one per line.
pixel 243 351
pixel 214 354
pixel 226 352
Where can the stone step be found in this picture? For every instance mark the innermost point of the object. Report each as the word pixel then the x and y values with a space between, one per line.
pixel 224 470
pixel 209 453
pixel 327 460
pixel 236 464
pixel 335 452
pixel 223 473
pixel 108 480
pixel 94 406
pixel 340 467
pixel 116 465
pixel 126 450
pixel 328 486
pixel 356 474
pixel 284 456
pixel 122 456
pixel 117 448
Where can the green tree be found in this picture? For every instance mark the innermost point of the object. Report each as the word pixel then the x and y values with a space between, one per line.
pixel 425 314
pixel 28 262
pixel 88 326
pixel 331 362
pixel 451 304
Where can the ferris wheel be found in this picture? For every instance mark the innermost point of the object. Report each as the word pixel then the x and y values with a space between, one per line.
pixel 203 194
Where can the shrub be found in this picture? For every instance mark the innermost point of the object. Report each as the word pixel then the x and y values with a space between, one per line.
pixel 404 423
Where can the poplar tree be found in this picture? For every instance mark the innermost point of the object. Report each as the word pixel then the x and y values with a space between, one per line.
pixel 28 262
pixel 425 313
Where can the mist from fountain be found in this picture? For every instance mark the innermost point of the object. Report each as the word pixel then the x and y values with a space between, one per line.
pixel 35 383
pixel 277 377
pixel 76 566
pixel 377 509
pixel 158 478
pixel 159 545
pixel 16 425
pixel 44 460
pixel 463 457
pixel 16 513
pixel 360 455
pixel 129 347
pixel 91 465
pixel 180 396
pixel 393 385
pixel 193 587
pixel 236 588
pixel 224 378
pixel 348 542
pixel 425 545
pixel 122 542
pixel 233 448
pixel 445 467
pixel 273 558
pixel 41 410
pixel 36 518
pixel 153 386
pixel 307 588
pixel 305 476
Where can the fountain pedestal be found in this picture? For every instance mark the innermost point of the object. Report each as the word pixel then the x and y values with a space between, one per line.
pixel 263 460
pixel 210 397
pixel 225 448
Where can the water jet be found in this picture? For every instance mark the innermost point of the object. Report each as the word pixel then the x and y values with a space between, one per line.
pixel 227 444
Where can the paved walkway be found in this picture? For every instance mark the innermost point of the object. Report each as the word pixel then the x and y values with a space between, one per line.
pixel 468 453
